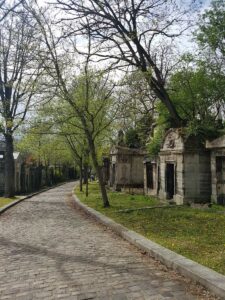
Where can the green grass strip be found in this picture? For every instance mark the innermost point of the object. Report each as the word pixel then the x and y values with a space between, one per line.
pixel 198 234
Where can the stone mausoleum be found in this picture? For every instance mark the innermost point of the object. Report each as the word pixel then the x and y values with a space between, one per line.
pixel 184 168
pixel 126 169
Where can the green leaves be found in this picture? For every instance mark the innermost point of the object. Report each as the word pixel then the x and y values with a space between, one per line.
pixel 155 143
pixel 132 138
pixel 198 95
pixel 212 27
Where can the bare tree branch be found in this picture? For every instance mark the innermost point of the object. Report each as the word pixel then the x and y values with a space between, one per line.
pixel 5 10
pixel 128 31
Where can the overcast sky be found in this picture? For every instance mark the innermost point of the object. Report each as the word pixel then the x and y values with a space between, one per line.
pixel 205 3
pixel 185 42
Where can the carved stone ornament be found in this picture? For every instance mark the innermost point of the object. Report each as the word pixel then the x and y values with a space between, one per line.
pixel 170 143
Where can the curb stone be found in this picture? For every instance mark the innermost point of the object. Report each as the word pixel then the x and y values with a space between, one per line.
pixel 6 207
pixel 211 280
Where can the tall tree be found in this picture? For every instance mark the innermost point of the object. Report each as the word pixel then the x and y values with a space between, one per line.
pixel 130 32
pixel 79 151
pixel 19 73
pixel 66 125
pixel 93 100
pixel 138 105
pixel 88 96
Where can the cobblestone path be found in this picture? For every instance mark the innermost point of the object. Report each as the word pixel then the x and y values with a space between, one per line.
pixel 48 250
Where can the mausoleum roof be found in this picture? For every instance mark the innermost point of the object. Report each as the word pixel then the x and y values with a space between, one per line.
pixel 176 139
pixel 217 143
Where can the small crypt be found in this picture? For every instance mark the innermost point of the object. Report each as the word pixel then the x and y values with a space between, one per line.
pixel 126 169
pixel 185 175
pixel 217 148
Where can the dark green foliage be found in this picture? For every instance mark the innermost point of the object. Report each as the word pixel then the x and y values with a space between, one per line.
pixel 120 138
pixel 198 95
pixel 132 138
pixel 155 143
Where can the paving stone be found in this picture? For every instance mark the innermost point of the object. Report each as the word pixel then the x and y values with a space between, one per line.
pixel 49 250
pixel 119 297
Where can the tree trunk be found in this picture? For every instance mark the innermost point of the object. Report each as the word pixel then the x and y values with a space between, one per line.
pixel 86 189
pixel 9 167
pixel 81 176
pixel 176 120
pixel 157 85
pixel 85 173
pixel 99 173
pixel 86 179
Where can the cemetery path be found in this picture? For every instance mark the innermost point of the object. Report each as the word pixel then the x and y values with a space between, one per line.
pixel 48 250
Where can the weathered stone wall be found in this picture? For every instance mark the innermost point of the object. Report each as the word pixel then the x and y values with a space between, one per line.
pixel 129 172
pixel 191 175
pixel 128 166
pixel 218 184
pixel 197 177
pixel 123 173
pixel 137 170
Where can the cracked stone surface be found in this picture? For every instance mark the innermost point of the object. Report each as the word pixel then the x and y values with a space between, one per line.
pixel 48 250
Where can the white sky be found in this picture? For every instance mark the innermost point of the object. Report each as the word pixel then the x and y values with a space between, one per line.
pixel 184 44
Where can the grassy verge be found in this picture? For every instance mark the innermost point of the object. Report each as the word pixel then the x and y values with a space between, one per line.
pixel 194 233
pixel 5 201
